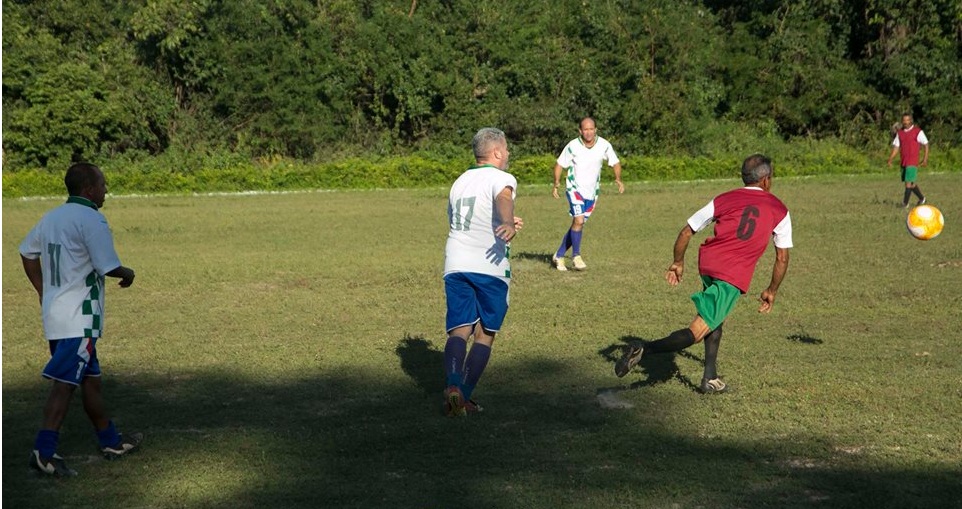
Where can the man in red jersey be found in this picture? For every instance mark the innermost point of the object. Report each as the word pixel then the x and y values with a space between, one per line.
pixel 908 142
pixel 744 220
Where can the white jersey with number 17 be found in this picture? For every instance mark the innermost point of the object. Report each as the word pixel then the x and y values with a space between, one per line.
pixel 472 216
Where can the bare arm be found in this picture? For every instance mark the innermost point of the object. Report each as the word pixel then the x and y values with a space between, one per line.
pixel 677 268
pixel 34 273
pixel 895 151
pixel 778 274
pixel 125 274
pixel 504 203
pixel 621 186
pixel 925 158
pixel 557 180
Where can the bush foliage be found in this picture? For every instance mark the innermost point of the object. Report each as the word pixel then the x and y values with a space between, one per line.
pixel 231 173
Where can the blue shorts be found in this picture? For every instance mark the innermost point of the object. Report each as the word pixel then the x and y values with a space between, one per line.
pixel 475 297
pixel 578 206
pixel 71 360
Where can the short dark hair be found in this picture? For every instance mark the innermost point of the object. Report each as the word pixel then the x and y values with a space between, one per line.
pixel 755 168
pixel 79 177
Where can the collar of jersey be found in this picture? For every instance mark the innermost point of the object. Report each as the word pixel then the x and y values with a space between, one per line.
pixel 484 166
pixel 80 200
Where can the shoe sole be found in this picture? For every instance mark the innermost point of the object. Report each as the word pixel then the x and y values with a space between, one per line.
pixel 116 455
pixel 708 389
pixel 629 360
pixel 454 405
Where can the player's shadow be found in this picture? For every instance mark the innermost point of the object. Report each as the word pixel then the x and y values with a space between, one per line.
pixel 422 363
pixel 538 257
pixel 802 337
pixel 660 368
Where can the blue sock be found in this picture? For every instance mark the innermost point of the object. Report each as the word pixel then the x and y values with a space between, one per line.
pixel 108 436
pixel 46 442
pixel 576 242
pixel 454 353
pixel 565 244
pixel 473 367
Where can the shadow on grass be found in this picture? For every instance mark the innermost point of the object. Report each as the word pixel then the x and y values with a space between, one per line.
pixel 544 258
pixel 342 438
pixel 421 363
pixel 804 338
pixel 657 368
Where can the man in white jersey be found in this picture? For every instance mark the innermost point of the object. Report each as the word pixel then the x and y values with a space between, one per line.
pixel 582 158
pixel 477 272
pixel 66 256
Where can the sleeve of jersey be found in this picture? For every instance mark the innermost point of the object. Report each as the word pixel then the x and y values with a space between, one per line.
pixel 30 247
pixel 783 233
pixel 507 180
pixel 611 156
pixel 896 143
pixel 100 245
pixel 564 160
pixel 699 220
pixel 922 138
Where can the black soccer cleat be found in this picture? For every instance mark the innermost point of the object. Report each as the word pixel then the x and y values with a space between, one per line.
pixel 53 466
pixel 629 360
pixel 128 444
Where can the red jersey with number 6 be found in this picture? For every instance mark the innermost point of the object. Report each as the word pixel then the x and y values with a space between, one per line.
pixel 745 219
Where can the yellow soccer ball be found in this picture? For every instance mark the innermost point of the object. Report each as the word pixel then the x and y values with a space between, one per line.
pixel 925 222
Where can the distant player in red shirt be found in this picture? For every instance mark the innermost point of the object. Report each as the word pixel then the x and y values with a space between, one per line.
pixel 908 143
pixel 744 220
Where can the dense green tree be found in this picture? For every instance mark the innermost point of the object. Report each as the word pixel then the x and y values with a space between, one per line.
pixel 73 87
pixel 328 79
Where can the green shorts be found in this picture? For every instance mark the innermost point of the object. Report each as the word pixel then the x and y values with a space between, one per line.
pixel 909 173
pixel 715 301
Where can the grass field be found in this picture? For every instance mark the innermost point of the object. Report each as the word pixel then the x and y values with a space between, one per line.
pixel 285 351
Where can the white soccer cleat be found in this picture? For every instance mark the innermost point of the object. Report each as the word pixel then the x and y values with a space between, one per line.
pixel 559 263
pixel 579 263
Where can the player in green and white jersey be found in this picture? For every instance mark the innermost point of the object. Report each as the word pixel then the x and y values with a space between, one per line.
pixel 582 160
pixel 66 256
pixel 477 270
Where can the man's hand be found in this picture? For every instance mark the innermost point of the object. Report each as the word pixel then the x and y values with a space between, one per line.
pixel 621 187
pixel 768 300
pixel 125 274
pixel 127 280
pixel 674 273
pixel 554 191
pixel 505 232
pixel 518 224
